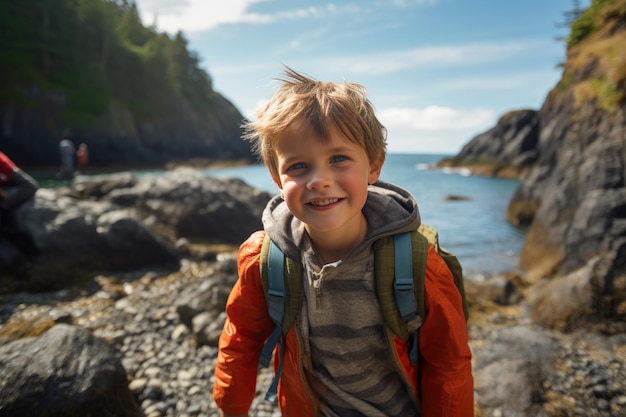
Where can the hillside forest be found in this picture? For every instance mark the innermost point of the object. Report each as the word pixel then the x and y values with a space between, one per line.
pixel 67 65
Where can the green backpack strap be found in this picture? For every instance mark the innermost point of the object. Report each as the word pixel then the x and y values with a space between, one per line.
pixel 281 278
pixel 420 256
pixel 393 255
pixel 292 270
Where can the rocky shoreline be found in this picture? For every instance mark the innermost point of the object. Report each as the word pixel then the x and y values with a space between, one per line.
pixel 170 373
pixel 156 328
pixel 78 339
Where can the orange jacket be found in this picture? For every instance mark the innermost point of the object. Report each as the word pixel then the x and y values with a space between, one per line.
pixel 446 387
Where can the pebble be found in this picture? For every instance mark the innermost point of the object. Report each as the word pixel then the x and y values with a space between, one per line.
pixel 170 375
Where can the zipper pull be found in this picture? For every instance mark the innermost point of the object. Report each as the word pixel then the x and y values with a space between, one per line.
pixel 317 284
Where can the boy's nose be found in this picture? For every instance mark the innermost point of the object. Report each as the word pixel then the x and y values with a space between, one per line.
pixel 319 178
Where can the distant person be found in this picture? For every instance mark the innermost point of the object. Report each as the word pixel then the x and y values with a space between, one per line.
pixel 82 157
pixel 16 187
pixel 67 153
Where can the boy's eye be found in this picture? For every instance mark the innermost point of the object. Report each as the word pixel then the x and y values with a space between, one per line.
pixel 296 166
pixel 338 158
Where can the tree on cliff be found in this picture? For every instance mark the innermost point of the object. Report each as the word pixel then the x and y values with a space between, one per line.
pixel 93 68
pixel 96 51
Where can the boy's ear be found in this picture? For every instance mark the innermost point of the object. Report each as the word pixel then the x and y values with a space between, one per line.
pixel 375 168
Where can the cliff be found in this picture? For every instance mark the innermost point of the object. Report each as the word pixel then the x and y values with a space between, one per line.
pixel 93 71
pixel 571 158
pixel 30 134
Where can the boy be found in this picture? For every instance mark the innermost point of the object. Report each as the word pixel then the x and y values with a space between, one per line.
pixel 325 148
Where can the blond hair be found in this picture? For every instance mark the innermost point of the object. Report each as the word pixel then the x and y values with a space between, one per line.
pixel 323 105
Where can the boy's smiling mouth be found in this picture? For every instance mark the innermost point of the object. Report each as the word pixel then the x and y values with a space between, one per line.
pixel 322 203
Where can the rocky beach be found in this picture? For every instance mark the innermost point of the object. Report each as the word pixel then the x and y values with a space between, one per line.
pixel 119 310
pixel 169 371
pixel 518 367
pixel 159 324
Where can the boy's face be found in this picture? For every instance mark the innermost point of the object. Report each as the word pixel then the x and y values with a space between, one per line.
pixel 324 183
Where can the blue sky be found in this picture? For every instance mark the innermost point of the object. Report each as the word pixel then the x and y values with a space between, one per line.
pixel 438 72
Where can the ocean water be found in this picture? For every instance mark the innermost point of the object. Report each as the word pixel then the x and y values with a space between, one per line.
pixel 474 228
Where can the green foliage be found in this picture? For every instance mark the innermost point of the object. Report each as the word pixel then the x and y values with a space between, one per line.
pixel 589 21
pixel 95 51
pixel 606 93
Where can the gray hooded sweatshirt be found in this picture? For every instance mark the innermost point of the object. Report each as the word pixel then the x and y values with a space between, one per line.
pixel 346 357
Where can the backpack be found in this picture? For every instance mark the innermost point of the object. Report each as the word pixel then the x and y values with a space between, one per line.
pixel 399 271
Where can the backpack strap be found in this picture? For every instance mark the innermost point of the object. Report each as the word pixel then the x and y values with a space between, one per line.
pixel 281 278
pixel 276 284
pixel 403 276
pixel 419 248
pixel 410 249
pixel 400 267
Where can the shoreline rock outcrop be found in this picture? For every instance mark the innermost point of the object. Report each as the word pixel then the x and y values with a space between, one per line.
pixel 118 222
pixel 507 150
pixel 31 135
pixel 571 159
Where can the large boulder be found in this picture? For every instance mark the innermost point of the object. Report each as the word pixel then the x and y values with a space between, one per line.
pixel 509 368
pixel 190 205
pixel 65 372
pixel 79 238
pixel 119 222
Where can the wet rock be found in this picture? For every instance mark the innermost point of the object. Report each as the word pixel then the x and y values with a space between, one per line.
pixel 117 222
pixel 65 372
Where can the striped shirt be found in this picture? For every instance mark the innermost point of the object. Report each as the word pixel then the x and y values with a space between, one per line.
pixel 348 363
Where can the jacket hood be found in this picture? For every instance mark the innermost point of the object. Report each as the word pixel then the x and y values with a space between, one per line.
pixel 389 209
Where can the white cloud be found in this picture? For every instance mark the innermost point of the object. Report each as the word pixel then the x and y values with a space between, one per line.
pixel 431 57
pixel 316 12
pixel 436 117
pixel 407 3
pixel 198 15
pixel 195 15
pixel 499 81
pixel 433 129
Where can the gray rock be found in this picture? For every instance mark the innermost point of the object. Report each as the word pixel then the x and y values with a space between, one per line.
pixel 117 222
pixel 207 327
pixel 194 206
pixel 509 368
pixel 498 288
pixel 65 372
pixel 511 144
pixel 207 295
pixel 563 301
